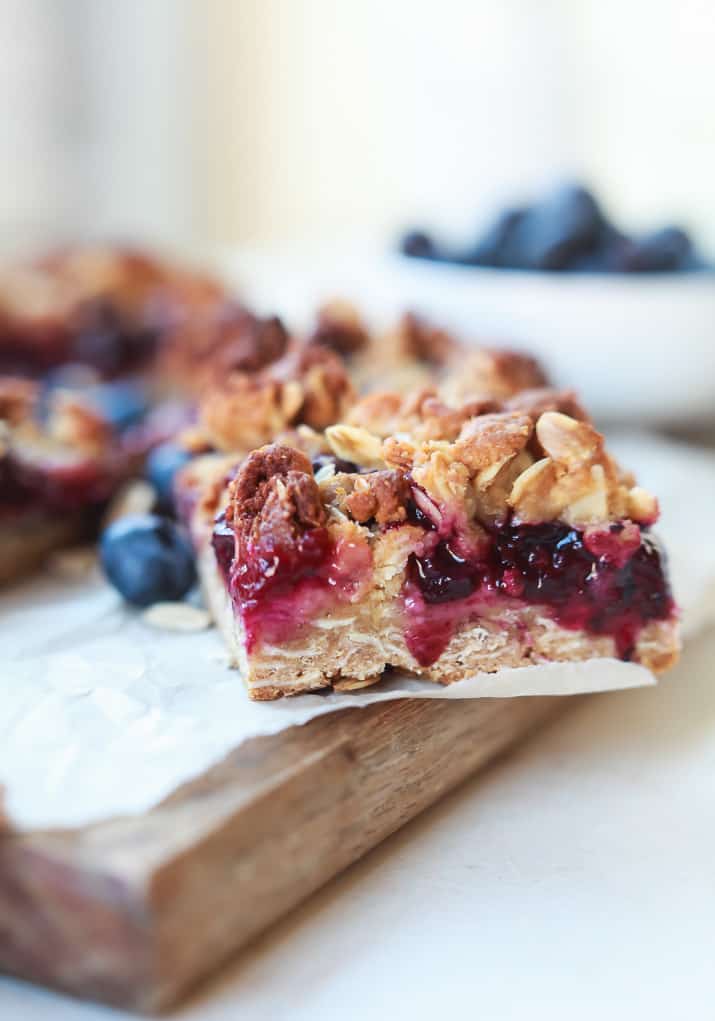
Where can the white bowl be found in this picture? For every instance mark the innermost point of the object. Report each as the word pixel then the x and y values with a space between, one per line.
pixel 639 349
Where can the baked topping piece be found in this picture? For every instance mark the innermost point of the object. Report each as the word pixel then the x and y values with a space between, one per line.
pixel 465 540
pixel 308 385
pixel 108 308
pixel 415 353
pixel 340 328
pixel 219 338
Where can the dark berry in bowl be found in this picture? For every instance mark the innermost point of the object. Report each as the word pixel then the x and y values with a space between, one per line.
pixel 148 559
pixel 122 404
pixel 162 464
pixel 495 247
pixel 419 245
pixel 565 231
pixel 556 230
pixel 605 254
pixel 664 251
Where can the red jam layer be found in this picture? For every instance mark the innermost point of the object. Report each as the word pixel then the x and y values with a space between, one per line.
pixel 33 350
pixel 279 588
pixel 102 338
pixel 606 582
pixel 53 487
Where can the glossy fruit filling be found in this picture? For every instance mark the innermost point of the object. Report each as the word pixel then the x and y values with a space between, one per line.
pixel 603 581
pixel 54 486
pixel 278 588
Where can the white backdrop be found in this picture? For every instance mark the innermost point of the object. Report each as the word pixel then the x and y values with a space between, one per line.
pixel 245 120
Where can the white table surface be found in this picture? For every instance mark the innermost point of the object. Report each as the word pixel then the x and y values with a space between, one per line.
pixel 575 880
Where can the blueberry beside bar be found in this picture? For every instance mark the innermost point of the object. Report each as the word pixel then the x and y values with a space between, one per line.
pixel 441 539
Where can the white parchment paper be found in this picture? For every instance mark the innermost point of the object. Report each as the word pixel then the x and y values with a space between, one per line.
pixel 101 715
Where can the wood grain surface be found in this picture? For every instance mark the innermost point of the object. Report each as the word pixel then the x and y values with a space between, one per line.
pixel 136 911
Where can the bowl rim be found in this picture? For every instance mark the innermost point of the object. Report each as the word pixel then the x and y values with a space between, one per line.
pixel 696 279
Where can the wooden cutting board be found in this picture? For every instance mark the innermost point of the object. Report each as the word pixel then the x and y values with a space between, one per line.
pixel 136 911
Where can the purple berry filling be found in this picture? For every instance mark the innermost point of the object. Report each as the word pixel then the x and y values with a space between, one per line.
pixel 277 588
pixel 53 487
pixel 607 582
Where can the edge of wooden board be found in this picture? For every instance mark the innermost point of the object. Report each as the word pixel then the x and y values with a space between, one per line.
pixel 112 911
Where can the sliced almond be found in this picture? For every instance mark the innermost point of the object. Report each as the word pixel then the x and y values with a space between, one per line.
pixel 592 505
pixel 532 493
pixel 642 506
pixel 292 397
pixel 73 564
pixel 567 441
pixel 492 488
pixel 135 497
pixel 355 444
pixel 176 617
pixel 486 476
pixel 354 683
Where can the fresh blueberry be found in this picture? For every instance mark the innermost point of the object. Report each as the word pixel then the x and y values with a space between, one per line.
pixel 419 245
pixel 122 404
pixel 162 464
pixel 589 262
pixel 604 256
pixel 664 251
pixel 495 247
pixel 696 263
pixel 555 231
pixel 148 559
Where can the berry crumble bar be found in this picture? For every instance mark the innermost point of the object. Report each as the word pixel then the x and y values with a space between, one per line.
pixel 439 538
